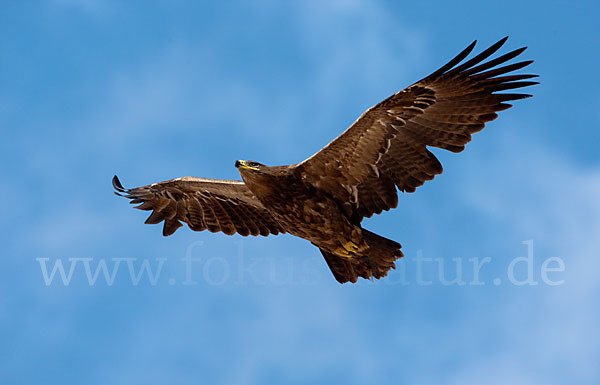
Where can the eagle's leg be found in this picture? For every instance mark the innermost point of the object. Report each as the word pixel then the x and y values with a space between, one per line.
pixel 351 246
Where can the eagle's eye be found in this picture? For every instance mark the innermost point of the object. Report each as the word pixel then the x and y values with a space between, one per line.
pixel 253 164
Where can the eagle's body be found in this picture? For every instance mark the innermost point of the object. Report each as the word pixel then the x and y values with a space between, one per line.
pixel 325 198
pixel 302 209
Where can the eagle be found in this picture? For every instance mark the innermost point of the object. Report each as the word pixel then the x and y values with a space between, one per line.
pixel 324 198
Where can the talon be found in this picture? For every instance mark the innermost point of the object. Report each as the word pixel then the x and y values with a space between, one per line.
pixel 342 252
pixel 348 250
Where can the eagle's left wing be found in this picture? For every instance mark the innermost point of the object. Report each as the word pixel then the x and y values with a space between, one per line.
pixel 204 204
pixel 387 146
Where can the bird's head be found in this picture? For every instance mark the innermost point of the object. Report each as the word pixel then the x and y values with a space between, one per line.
pixel 255 175
pixel 250 166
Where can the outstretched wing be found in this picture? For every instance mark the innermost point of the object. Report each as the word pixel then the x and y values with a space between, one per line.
pixel 387 146
pixel 217 205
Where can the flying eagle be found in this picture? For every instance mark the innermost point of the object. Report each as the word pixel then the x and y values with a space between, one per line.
pixel 324 198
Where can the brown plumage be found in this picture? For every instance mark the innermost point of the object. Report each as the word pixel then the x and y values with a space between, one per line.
pixel 324 198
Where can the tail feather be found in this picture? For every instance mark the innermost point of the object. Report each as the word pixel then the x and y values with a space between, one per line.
pixel 375 262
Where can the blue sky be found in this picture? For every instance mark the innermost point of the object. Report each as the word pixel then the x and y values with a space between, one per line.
pixel 157 90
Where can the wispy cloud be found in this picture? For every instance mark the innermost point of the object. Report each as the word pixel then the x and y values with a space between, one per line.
pixel 543 195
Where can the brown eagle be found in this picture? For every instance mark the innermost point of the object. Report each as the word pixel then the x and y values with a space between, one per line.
pixel 324 198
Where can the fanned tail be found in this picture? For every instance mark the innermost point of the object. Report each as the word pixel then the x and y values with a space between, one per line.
pixel 375 262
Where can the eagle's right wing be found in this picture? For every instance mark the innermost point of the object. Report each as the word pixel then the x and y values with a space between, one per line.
pixel 217 205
